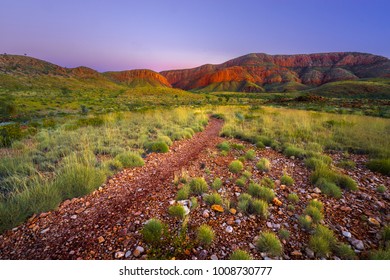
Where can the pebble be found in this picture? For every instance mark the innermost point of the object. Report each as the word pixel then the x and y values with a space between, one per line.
pixel 269 224
pixel 309 253
pixel 128 254
pixel 233 211
pixel 347 234
pixel 358 244
pixel 296 253
pixel 140 249
pixel 206 214
pixel 214 257
pixel 119 255
pixel 136 253
pixel 100 239
pixel 74 217
pixel 374 222
pixel 229 229
pixel 252 246
pixel 45 230
pixel 317 190
pixel 203 254
pixel 238 221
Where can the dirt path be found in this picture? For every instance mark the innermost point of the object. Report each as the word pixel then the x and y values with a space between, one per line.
pixel 108 220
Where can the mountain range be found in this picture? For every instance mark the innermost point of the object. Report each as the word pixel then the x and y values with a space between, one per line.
pixel 256 72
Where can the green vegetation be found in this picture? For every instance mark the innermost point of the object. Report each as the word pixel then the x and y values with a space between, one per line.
pixel 241 181
pixel 380 165
pixel 217 184
pixel 224 146
pixel 381 189
pixel 287 180
pixel 205 235
pixel 183 193
pixel 250 205
pixel 240 255
pixel 284 234
pixel 346 164
pixel 236 166
pixel 269 243
pixel 130 159
pixel 250 155
pixel 267 182
pixel 198 185
pixel 258 191
pixel 322 241
pixel 293 198
pixel 153 231
pixel 177 211
pixel 214 198
pixel 263 164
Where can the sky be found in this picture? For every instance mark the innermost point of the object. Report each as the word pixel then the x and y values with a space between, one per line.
pixel 115 35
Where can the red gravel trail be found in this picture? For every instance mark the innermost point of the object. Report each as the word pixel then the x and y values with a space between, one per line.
pixel 108 220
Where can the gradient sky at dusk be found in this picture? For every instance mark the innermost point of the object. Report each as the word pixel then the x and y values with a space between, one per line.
pixel 159 35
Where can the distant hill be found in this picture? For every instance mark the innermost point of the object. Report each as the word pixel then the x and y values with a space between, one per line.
pixel 142 77
pixel 258 72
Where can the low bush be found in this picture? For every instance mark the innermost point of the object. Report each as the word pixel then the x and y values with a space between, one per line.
pixel 246 174
pixel 214 198
pixel 224 146
pixel 346 164
pixel 153 231
pixel 236 166
pixel 329 189
pixel 217 184
pixel 205 235
pixel 322 241
pixel 258 207
pixel 157 147
pixel 113 165
pixel 317 204
pixel 130 159
pixel 198 185
pixel 241 182
pixel 345 252
pixel 294 151
pixel 250 155
pixel 263 164
pixel 287 180
pixel 293 198
pixel 269 243
pixel 284 234
pixel 380 165
pixel 267 182
pixel 306 222
pixel 10 133
pixel 177 211
pixel 237 146
pixel 183 193
pixel 240 255
pixel 314 213
pixel 381 189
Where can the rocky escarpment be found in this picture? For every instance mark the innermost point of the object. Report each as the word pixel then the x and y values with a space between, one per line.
pixel 263 70
pixel 142 77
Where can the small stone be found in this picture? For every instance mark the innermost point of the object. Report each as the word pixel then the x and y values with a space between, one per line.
pixel 282 187
pixel 100 239
pixel 233 211
pixel 206 214
pixel 203 254
pixel 72 252
pixel 296 253
pixel 186 210
pixel 347 234
pixel 317 190
pixel 269 224
pixel 345 208
pixel 111 181
pixel 128 254
pixel 238 221
pixel 229 229
pixel 45 230
pixel 374 222
pixel 65 203
pixel 73 217
pixel 277 183
pixel 217 208
pixel 277 202
pixel 140 249
pixel 358 244
pixel 214 257
pixel 309 253
pixel 137 213
pixel 136 253
pixel 171 202
pixel 119 255
pixel 251 246
pixel 78 211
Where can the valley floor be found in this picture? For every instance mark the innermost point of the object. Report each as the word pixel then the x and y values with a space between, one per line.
pixel 107 223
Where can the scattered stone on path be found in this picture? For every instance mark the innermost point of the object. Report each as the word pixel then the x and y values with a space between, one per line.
pixel 206 214
pixel 374 222
pixel 45 230
pixel 214 257
pixel 347 234
pixel 217 208
pixel 119 255
pixel 309 253
pixel 296 253
pixel 317 190
pixel 358 244
pixel 233 211
pixel 100 239
pixel 128 254
pixel 229 229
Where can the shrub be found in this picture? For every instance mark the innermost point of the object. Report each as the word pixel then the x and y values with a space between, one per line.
pixel 246 174
pixel 177 211
pixel 157 147
pixel 130 159
pixel 290 207
pixel 183 193
pixel 266 194
pixel 217 184
pixel 241 182
pixel 314 213
pixel 328 175
pixel 294 151
pixel 236 166
pixel 269 243
pixel 152 231
pixel 314 163
pixel 194 203
pixel 293 197
pixel 320 246
pixel 240 255
pixel 329 188
pixel 263 164
pixel 380 165
pixel 165 139
pixel 284 234
pixel 250 155
pixel 243 205
pixel 198 185
pixel 287 180
pixel 380 254
pixel 386 235
pixel 381 189
pixel 95 121
pixel 113 165
pixel 268 182
pixel 254 189
pixel 205 235
pixel 214 198
pixel 258 207
pixel 345 252
pixel 238 146
pixel 317 204
pixel 305 221
pixel 10 133
pixel 347 164
pixel 260 145
pixel 224 146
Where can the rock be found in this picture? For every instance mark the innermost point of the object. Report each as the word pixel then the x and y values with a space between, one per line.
pixel 345 208
pixel 136 253
pixel 358 244
pixel 111 181
pixel 203 254
pixel 128 254
pixel 296 253
pixel 277 183
pixel 171 202
pixel 140 249
pixel 238 221
pixel 309 253
pixel 73 217
pixel 233 211
pixel 119 255
pixel 185 202
pixel 229 229
pixel 123 232
pixel 206 214
pixel 45 230
pixel 347 234
pixel 269 224
pixel 277 202
pixel 65 203
pixel 186 210
pixel 217 208
pixel 100 239
pixel 251 246
pixel 78 211
pixel 317 190
pixel 374 222
pixel 276 226
pixel 214 257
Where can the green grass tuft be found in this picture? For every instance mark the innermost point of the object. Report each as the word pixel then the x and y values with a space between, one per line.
pixel 240 255
pixel 236 166
pixel 264 165
pixel 198 185
pixel 205 235
pixel 269 243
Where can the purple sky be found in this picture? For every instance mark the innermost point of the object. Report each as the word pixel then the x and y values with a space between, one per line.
pixel 159 35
